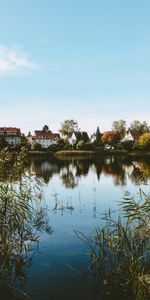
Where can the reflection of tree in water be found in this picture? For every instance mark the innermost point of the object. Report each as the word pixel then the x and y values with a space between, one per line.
pixel 70 171
pixel 69 180
pixel 20 223
pixel 116 170
pixel 82 167
pixel 43 169
pixel 140 173
pixel 98 165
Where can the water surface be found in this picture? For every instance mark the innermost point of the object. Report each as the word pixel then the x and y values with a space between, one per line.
pixel 77 193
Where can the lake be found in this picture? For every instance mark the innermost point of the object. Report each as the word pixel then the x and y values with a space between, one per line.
pixel 76 193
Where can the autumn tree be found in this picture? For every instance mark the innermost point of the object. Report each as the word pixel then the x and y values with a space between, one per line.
pixel 68 127
pixel 144 141
pixel 111 138
pixel 119 126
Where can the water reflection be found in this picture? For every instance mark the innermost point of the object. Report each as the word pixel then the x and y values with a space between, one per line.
pixel 71 171
pixel 62 206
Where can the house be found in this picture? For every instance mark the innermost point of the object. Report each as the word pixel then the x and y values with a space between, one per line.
pixel 78 136
pixel 44 137
pixel 128 137
pixel 11 135
pixel 131 136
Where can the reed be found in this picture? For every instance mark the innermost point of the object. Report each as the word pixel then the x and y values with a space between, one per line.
pixel 20 222
pixel 120 251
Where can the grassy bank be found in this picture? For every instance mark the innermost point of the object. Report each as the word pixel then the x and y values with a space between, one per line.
pixel 87 153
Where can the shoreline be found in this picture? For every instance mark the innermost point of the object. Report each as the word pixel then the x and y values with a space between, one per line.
pixel 86 153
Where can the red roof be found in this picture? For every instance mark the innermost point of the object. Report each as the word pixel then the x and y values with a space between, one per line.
pixel 10 130
pixel 135 134
pixel 46 135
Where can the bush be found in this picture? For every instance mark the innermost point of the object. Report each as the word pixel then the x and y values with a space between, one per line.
pixel 89 146
pixel 60 142
pixel 37 147
pixel 54 148
pixel 81 145
pixel 3 144
pixel 126 145
pixel 67 146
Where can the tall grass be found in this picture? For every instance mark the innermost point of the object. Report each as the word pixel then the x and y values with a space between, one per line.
pixel 120 252
pixel 20 221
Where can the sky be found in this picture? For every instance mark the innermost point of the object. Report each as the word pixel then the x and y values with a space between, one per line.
pixel 87 60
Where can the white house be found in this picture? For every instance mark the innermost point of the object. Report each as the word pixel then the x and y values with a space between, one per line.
pixel 128 137
pixel 45 138
pixel 78 136
pixel 131 136
pixel 73 139
pixel 11 135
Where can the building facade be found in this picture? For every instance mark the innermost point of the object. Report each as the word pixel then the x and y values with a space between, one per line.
pixel 11 135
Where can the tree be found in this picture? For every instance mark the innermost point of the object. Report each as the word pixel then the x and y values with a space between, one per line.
pixel 3 143
pixel 84 136
pixel 141 127
pixel 23 140
pixel 119 126
pixel 98 135
pixel 144 141
pixel 111 138
pixel 45 128
pixel 68 127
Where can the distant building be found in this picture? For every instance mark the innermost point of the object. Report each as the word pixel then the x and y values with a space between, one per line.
pixel 11 135
pixel 78 136
pixel 44 137
pixel 131 136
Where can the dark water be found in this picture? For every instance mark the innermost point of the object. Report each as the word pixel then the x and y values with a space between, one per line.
pixel 77 194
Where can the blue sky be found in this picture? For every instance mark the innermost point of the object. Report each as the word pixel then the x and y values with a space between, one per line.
pixel 87 60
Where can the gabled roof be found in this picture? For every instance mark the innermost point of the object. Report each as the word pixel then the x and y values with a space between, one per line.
pixel 128 137
pixel 85 133
pixel 46 134
pixel 135 134
pixel 77 134
pixel 10 130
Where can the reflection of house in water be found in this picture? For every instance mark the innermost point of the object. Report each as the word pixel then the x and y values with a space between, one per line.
pixel 71 171
pixel 44 169
pixel 46 166
pixel 68 176
pixel 128 169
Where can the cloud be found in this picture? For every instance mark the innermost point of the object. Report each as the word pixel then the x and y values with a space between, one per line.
pixel 14 60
